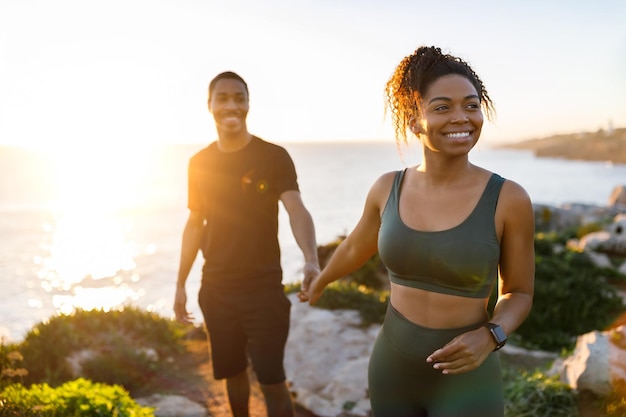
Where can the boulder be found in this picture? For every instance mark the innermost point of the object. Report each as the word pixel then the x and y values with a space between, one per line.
pixel 326 359
pixel 611 241
pixel 618 228
pixel 597 363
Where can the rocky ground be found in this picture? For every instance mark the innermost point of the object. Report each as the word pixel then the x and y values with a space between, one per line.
pixel 203 389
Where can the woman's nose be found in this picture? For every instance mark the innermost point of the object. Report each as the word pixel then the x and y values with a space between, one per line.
pixel 459 117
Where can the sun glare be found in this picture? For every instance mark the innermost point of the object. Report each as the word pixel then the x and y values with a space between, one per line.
pixel 89 259
pixel 101 178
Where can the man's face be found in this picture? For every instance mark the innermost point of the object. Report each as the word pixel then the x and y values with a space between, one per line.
pixel 229 105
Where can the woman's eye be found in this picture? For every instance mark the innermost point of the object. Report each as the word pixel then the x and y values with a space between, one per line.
pixel 441 108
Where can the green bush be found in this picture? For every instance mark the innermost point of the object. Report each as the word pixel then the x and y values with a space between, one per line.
pixel 128 347
pixel 537 395
pixel 572 297
pixel 76 398
pixel 370 303
pixel 371 274
pixel 10 370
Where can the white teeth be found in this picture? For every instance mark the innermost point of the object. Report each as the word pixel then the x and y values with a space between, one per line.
pixel 458 135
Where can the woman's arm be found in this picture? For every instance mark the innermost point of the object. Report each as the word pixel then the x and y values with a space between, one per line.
pixel 360 245
pixel 517 260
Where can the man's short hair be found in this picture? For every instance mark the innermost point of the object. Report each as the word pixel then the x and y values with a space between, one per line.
pixel 224 75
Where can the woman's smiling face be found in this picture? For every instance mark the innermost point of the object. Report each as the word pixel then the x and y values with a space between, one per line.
pixel 451 117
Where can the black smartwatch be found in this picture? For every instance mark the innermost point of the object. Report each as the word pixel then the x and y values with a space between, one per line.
pixel 498 334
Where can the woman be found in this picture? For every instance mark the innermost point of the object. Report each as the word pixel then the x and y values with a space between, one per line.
pixel 445 229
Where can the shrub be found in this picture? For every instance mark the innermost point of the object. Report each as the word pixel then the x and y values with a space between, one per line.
pixel 537 395
pixel 370 303
pixel 371 274
pixel 130 347
pixel 572 297
pixel 76 398
pixel 9 368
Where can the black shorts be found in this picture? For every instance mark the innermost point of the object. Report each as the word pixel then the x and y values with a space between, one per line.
pixel 241 325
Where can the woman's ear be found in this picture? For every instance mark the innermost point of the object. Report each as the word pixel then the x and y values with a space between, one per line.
pixel 417 110
pixel 415 126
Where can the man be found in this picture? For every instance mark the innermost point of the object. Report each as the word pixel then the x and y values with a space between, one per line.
pixel 234 187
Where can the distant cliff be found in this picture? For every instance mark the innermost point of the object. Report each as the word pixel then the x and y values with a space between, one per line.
pixel 597 146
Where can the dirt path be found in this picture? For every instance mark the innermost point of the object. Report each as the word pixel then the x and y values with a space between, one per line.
pixel 204 389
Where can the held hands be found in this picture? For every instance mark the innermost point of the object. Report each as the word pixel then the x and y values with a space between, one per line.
pixel 308 290
pixel 464 353
pixel 180 306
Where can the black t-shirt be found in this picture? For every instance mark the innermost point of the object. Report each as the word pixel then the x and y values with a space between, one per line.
pixel 238 193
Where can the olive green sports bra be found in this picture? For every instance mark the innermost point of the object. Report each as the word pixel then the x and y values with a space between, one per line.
pixel 459 261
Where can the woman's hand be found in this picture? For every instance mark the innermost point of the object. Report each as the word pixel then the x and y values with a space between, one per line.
pixel 464 353
pixel 311 270
pixel 311 290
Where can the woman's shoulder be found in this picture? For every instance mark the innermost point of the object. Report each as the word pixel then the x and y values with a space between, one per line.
pixel 513 198
pixel 382 186
pixel 385 180
pixel 510 192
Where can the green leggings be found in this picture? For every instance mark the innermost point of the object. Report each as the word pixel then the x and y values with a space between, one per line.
pixel 403 384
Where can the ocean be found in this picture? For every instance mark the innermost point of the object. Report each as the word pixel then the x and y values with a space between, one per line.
pixel 101 228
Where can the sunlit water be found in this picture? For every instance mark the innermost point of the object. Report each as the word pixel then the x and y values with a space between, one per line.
pixel 105 230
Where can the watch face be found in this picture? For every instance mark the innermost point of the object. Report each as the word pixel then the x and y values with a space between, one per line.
pixel 499 334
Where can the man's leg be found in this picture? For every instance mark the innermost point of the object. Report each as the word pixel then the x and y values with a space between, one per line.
pixel 267 327
pixel 277 400
pixel 238 389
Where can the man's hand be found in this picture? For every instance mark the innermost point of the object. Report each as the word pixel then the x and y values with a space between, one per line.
pixel 180 306
pixel 310 271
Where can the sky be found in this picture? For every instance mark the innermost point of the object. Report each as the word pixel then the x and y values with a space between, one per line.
pixel 135 72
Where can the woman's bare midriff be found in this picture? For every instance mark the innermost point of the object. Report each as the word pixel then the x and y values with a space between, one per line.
pixel 437 311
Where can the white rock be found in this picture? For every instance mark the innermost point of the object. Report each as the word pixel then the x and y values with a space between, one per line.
pixel 601 260
pixel 172 406
pixel 326 359
pixel 618 227
pixel 587 369
pixel 592 241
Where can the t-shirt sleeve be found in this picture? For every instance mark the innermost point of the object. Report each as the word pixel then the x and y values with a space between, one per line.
pixel 287 178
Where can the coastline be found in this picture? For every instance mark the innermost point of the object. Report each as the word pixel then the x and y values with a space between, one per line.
pixel 602 145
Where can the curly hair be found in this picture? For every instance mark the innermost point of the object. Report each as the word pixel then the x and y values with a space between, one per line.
pixel 414 75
